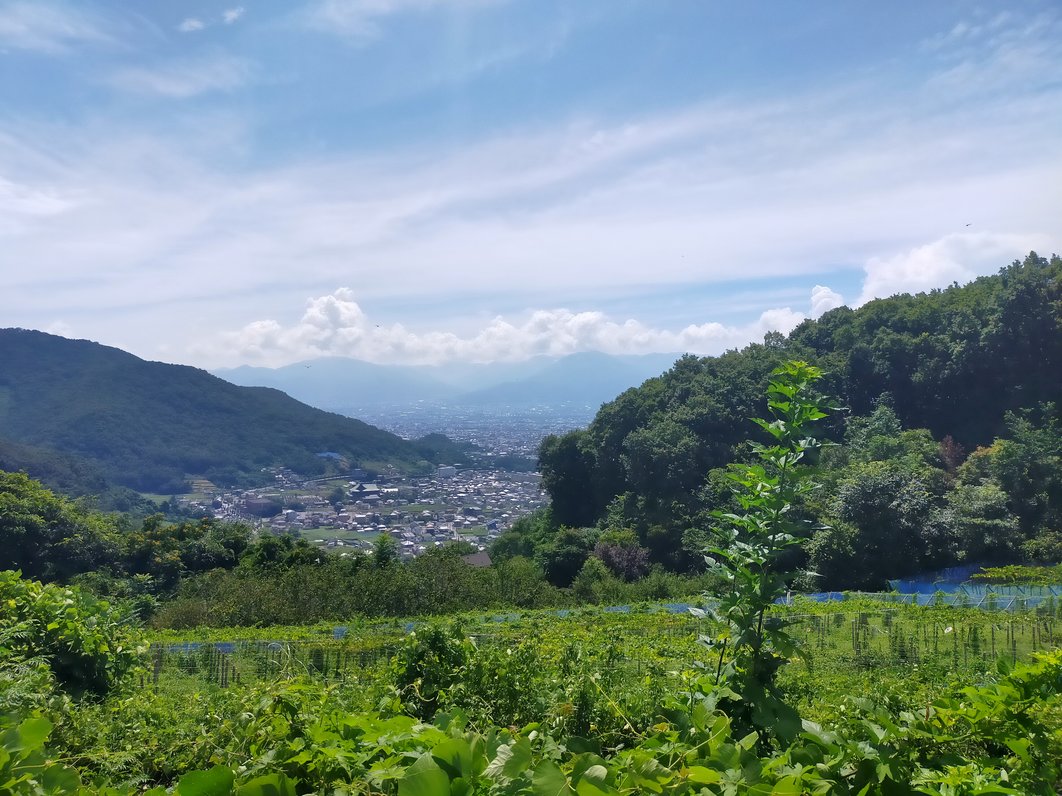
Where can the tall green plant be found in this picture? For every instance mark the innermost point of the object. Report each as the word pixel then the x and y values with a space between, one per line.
pixel 748 552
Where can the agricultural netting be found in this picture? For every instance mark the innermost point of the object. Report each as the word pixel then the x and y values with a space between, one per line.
pixel 948 579
pixel 1042 599
pixel 873 636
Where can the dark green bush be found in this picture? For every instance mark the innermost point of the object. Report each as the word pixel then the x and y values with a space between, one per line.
pixel 85 642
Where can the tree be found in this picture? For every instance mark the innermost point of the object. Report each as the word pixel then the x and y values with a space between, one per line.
pixel 384 550
pixel 567 464
pixel 521 582
pixel 621 553
pixel 594 583
pixel 890 508
pixel 985 529
pixel 48 537
pixel 337 497
pixel 564 555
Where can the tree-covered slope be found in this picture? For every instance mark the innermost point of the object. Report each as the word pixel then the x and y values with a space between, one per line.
pixel 148 425
pixel 952 361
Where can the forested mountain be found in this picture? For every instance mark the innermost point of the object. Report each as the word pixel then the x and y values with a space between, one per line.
pixel 76 409
pixel 341 382
pixel 925 379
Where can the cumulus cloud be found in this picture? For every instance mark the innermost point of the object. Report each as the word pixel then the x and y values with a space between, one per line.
pixel 823 299
pixel 51 29
pixel 190 25
pixel 184 79
pixel 336 325
pixel 61 328
pixel 954 258
pixel 231 15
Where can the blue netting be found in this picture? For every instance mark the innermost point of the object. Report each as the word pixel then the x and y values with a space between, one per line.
pixel 949 579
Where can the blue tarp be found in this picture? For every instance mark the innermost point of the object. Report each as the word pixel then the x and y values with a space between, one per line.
pixel 930 582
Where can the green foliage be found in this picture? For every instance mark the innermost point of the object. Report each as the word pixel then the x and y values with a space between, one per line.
pixel 595 583
pixel 384 550
pixel 748 552
pixel 26 769
pixel 1016 574
pixel 149 425
pixel 565 553
pixel 86 644
pixel 567 465
pixel 293 737
pixel 925 378
pixel 47 536
pixel 427 665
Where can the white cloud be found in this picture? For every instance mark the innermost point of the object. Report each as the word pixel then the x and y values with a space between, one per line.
pixel 823 299
pixel 184 79
pixel 60 328
pixel 994 54
pixel 190 25
pixel 21 199
pixel 360 20
pixel 112 216
pixel 958 257
pixel 336 325
pixel 52 29
pixel 231 15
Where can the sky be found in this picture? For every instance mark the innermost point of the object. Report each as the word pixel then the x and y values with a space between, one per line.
pixel 428 181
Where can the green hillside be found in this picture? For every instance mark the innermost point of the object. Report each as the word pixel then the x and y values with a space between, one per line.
pixel 68 406
pixel 950 441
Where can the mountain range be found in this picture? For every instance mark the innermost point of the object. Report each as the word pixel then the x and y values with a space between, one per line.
pixel 346 385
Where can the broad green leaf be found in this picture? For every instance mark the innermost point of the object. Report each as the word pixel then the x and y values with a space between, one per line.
pixel 60 779
pixel 456 758
pixel 424 778
pixel 215 782
pixel 702 775
pixel 787 786
pixel 548 780
pixel 269 785
pixel 510 761
pixel 32 733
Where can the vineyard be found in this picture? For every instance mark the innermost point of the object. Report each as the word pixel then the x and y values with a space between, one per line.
pixel 847 640
pixel 362 708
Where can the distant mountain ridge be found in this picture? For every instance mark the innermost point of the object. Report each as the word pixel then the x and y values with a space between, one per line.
pixel 589 377
pixel 70 405
pixel 340 383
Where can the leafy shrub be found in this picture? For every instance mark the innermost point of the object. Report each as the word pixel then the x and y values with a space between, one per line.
pixel 1016 574
pixel 85 642
pixel 429 664
pixel 25 767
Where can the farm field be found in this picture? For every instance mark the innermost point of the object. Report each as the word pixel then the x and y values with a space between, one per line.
pixel 851 648
pixel 357 708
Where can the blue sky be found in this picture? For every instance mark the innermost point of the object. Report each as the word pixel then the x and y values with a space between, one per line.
pixel 472 180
